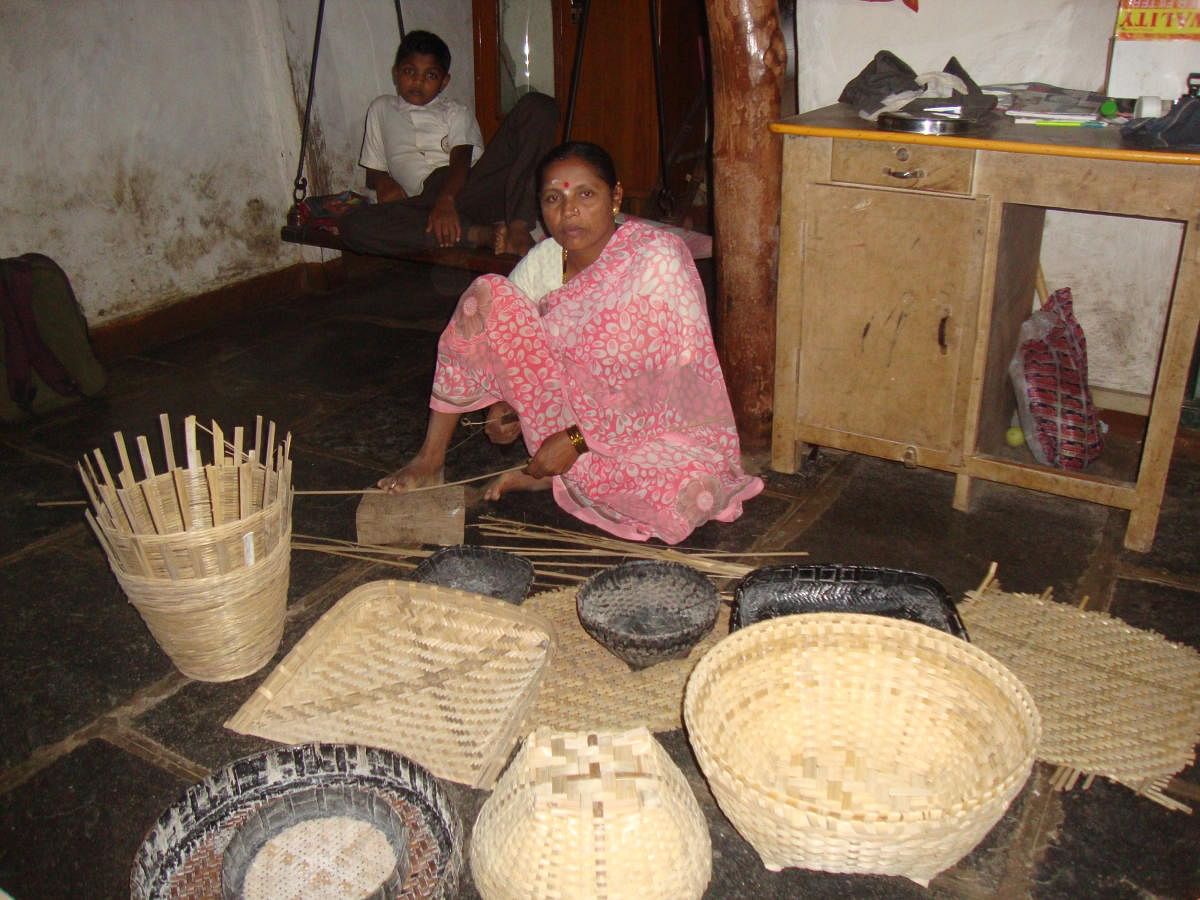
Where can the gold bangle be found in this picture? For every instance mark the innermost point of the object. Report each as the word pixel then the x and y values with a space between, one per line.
pixel 577 440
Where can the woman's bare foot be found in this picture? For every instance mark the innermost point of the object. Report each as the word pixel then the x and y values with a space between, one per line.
pixel 418 473
pixel 511 237
pixel 514 481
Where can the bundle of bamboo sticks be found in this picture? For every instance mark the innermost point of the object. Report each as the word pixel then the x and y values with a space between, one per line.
pixel 559 556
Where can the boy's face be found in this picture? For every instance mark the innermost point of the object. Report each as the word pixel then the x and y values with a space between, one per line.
pixel 419 78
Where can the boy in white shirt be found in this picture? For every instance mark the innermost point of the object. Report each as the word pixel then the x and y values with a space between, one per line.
pixel 434 182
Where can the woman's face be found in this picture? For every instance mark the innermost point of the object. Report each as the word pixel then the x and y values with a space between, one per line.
pixel 577 206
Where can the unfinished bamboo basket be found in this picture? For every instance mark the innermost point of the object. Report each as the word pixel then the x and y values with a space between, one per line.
pixel 855 743
pixel 203 549
pixel 591 815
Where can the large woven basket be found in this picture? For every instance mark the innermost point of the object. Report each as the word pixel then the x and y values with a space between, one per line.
pixel 583 815
pixel 202 550
pixel 186 853
pixel 855 743
pixel 442 676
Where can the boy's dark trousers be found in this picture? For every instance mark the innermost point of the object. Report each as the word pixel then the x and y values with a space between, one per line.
pixel 499 188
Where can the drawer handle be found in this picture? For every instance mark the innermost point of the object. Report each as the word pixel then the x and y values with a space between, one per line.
pixel 942 333
pixel 903 173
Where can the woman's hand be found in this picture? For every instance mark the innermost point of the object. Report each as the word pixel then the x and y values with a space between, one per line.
pixel 502 425
pixel 555 457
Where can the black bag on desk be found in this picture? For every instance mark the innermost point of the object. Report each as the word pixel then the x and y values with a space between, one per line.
pixel 47 360
pixel 1178 130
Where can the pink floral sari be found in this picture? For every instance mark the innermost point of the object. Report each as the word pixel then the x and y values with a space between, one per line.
pixel 624 351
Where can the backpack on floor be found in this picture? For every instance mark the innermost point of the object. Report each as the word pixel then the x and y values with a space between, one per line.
pixel 45 358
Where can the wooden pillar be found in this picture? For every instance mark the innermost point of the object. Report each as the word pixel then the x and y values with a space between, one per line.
pixel 748 60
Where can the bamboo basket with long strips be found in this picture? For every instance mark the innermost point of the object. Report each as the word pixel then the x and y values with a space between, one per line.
pixel 202 549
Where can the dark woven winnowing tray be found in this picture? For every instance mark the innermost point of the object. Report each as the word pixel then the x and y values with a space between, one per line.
pixel 774 591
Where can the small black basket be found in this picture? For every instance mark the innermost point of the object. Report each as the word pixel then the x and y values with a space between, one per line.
pixel 646 612
pixel 479 570
pixel 774 591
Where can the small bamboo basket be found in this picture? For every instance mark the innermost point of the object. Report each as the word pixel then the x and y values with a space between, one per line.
pixel 587 815
pixel 201 550
pixel 856 743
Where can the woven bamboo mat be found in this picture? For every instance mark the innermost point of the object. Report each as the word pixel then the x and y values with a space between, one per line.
pixel 1115 700
pixel 586 688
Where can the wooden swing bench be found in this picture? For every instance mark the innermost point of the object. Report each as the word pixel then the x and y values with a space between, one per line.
pixel 481 260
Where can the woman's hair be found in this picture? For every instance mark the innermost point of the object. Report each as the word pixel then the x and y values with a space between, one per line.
pixel 585 151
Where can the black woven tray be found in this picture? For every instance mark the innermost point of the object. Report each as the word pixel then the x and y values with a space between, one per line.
pixel 479 570
pixel 646 612
pixel 183 853
pixel 774 591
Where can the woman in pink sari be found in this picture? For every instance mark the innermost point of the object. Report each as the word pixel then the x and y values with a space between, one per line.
pixel 601 345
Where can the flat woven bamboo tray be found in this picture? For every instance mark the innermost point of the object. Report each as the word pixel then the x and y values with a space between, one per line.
pixel 1116 701
pixel 441 676
pixel 184 854
pixel 201 550
pixel 586 688
pixel 856 743
pixel 583 815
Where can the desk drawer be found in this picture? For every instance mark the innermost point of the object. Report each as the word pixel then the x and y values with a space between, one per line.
pixel 899 165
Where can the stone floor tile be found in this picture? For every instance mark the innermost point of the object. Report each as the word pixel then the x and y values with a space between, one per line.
pixel 72 830
pixel 72 647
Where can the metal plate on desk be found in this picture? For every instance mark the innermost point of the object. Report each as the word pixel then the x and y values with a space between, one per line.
pixel 909 124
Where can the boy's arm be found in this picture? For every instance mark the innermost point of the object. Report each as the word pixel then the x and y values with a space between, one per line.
pixel 443 218
pixel 386 188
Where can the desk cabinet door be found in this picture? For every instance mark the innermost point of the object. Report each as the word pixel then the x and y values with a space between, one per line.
pixel 890 287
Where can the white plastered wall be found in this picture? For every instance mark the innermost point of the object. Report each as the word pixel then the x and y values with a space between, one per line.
pixel 150 145
pixel 1119 270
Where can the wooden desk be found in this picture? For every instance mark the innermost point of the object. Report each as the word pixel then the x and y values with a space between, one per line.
pixel 907 264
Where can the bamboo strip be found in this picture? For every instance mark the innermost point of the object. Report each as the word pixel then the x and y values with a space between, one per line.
pixel 245 480
pixel 126 474
pixel 332 551
pixel 88 488
pixel 164 423
pixel 87 514
pixel 153 503
pixel 214 494
pixel 109 492
pixel 189 439
pixel 218 437
pixel 428 487
pixel 184 496
pixel 382 548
